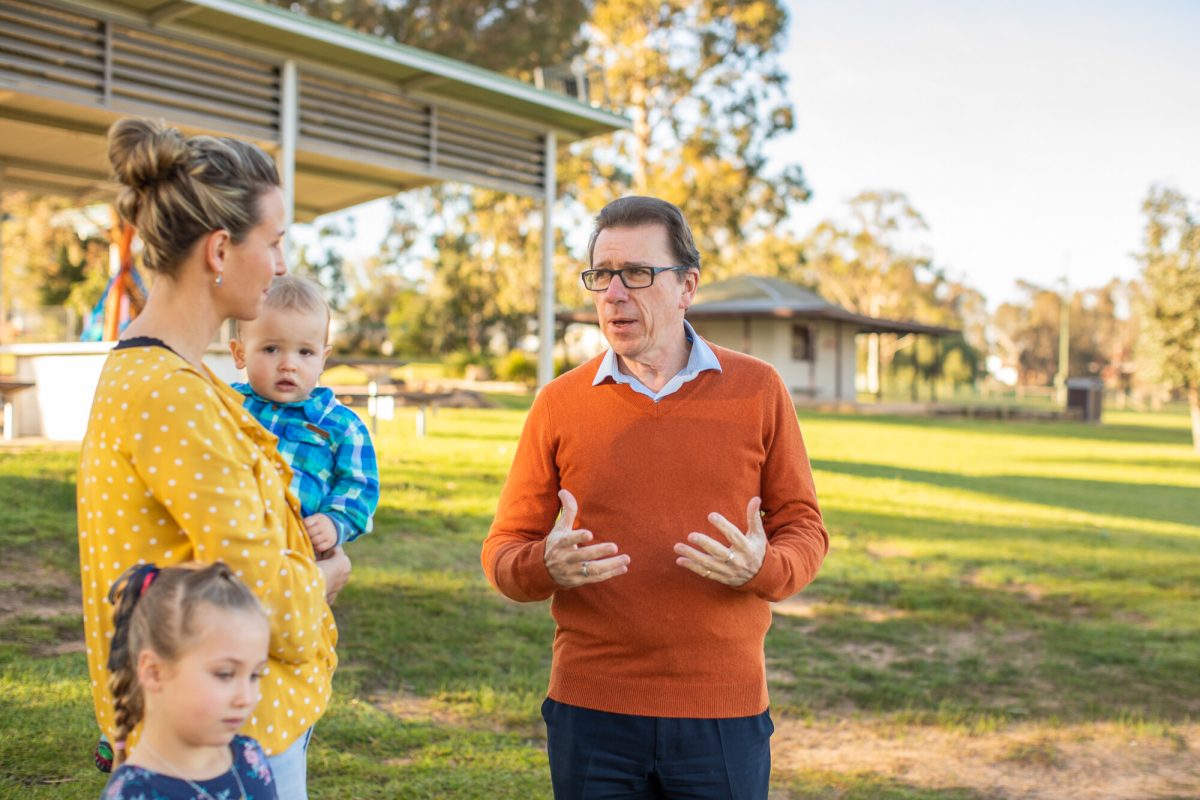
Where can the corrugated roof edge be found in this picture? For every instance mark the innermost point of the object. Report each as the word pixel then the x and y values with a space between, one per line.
pixel 415 58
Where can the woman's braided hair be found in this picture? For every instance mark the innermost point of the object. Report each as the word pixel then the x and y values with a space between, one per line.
pixel 156 609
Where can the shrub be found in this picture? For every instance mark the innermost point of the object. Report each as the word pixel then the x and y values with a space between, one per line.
pixel 517 366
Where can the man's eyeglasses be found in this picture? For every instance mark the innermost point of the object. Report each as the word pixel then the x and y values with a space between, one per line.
pixel 597 280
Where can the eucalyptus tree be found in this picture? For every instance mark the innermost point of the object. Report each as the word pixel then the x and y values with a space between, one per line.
pixel 1170 310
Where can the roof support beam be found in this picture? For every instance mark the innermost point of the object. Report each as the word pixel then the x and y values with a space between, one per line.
pixel 168 12
pixel 426 81
pixel 46 187
pixel 46 168
pixel 48 121
pixel 546 326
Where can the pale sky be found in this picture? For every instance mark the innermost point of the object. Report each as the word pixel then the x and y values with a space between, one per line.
pixel 1022 131
pixel 1026 132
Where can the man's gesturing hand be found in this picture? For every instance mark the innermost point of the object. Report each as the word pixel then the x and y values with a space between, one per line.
pixel 571 565
pixel 733 565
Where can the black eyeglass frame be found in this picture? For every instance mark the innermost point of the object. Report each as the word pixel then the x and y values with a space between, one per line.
pixel 620 273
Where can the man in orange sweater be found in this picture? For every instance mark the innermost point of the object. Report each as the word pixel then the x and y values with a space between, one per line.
pixel 651 452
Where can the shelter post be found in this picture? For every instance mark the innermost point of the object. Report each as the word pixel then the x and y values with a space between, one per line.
pixel 546 337
pixel 3 219
pixel 916 362
pixel 936 372
pixel 289 131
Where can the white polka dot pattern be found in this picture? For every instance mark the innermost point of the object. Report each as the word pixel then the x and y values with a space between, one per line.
pixel 210 498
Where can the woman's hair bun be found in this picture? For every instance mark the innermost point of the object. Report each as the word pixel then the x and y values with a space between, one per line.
pixel 175 190
pixel 144 151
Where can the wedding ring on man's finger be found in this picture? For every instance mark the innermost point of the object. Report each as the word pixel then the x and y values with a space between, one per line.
pixel 707 572
pixel 584 569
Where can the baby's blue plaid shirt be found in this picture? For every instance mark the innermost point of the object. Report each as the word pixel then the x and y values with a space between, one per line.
pixel 330 452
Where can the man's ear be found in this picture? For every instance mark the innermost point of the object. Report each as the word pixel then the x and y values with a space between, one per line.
pixel 691 282
pixel 216 251
pixel 151 670
pixel 239 353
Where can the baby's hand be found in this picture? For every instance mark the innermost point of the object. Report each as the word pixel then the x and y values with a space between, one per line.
pixel 321 531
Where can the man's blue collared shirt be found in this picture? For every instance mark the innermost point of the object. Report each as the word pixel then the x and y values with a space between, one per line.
pixel 700 359
pixel 330 452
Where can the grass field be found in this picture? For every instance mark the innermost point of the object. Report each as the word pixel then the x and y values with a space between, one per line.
pixel 1007 611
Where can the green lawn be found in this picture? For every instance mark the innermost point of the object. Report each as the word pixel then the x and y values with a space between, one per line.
pixel 983 576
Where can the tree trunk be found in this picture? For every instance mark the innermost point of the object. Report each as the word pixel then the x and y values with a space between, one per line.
pixel 1194 405
pixel 642 133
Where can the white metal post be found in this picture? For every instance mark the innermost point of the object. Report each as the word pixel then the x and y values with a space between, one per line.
pixel 546 317
pixel 3 318
pixel 289 131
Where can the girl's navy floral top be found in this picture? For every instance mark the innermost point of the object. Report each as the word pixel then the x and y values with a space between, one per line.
pixel 138 783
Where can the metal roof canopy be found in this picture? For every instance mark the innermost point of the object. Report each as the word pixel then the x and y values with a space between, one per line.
pixel 350 117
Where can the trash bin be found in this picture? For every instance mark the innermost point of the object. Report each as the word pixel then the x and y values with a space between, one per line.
pixel 1084 396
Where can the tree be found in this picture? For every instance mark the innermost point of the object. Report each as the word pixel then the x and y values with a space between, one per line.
pixel 1171 300
pixel 699 78
pixel 54 255
pixel 510 36
pixel 476 250
pixel 876 265
pixel 1027 332
pixel 701 82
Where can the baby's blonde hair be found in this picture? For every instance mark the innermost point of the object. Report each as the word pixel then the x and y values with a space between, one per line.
pixel 292 293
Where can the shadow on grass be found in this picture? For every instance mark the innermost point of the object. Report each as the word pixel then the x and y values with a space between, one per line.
pixel 1179 504
pixel 1075 551
pixel 433 633
pixel 47 730
pixel 39 518
pixel 1137 434
pixel 1185 462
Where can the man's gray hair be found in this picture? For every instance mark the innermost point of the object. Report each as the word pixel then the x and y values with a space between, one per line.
pixel 636 211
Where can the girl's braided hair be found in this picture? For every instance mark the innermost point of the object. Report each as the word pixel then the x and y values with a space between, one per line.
pixel 156 609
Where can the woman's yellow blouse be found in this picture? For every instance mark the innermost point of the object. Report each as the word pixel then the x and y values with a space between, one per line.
pixel 172 469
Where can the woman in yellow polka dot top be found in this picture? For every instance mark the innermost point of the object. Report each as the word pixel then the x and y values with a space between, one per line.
pixel 172 468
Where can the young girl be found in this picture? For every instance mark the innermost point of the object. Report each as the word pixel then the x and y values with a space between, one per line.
pixel 189 648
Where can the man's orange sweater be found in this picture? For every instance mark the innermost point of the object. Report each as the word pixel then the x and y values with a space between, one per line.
pixel 660 640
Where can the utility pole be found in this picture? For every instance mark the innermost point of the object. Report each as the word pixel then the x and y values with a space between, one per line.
pixel 1064 336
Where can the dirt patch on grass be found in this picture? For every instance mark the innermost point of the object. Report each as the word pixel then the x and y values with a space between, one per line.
pixel 412 708
pixel 881 550
pixel 806 608
pixel 1101 761
pixel 33 594
pixel 447 713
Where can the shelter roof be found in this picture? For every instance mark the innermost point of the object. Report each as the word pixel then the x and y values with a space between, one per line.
pixel 271 28
pixel 372 118
pixel 756 296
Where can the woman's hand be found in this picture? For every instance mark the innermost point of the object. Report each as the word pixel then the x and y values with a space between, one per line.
pixel 335 566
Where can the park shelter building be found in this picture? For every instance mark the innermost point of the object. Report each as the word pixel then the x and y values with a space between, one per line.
pixel 810 341
pixel 349 117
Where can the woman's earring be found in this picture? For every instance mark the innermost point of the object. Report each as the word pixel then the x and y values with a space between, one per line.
pixel 220 277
